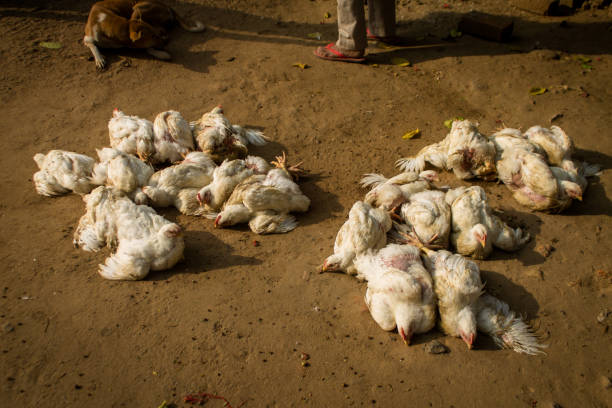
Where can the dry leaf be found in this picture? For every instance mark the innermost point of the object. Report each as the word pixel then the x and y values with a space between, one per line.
pixel 51 45
pixel 300 65
pixel 316 36
pixel 411 134
pixel 537 91
pixel 327 15
pixel 402 62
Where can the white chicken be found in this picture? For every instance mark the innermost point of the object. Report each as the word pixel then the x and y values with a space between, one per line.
pixel 554 142
pixel 140 239
pixel 400 291
pixel 391 193
pixel 509 138
pixel 131 135
pixel 507 329
pixel 458 286
pixel 366 228
pixel 266 199
pixel 122 171
pixel 428 215
pixel 217 137
pixel 536 185
pixel 225 178
pixel 172 137
pixel 179 184
pixel 474 227
pixel 259 165
pixel 464 150
pixel 62 172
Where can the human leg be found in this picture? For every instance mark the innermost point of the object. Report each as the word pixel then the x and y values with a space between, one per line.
pixel 381 21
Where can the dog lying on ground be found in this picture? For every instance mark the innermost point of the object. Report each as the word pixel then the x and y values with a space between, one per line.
pixel 132 24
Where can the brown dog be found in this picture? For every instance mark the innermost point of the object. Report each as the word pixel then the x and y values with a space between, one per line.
pixel 132 24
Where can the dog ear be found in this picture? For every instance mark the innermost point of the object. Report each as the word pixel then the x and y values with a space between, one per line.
pixel 138 15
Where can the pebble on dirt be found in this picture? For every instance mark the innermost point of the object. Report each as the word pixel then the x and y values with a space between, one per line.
pixel 435 347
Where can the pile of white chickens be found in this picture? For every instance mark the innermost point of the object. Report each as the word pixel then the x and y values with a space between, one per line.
pixel 203 169
pixel 398 238
pixel 536 166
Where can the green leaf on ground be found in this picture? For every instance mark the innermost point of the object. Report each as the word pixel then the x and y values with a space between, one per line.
pixel 51 45
pixel 402 62
pixel 449 122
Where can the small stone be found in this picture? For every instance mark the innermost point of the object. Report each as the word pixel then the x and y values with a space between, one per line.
pixel 602 316
pixel 435 347
pixel 545 249
pixel 7 328
pixel 606 382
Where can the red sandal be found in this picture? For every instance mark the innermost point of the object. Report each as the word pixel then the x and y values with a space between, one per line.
pixel 332 54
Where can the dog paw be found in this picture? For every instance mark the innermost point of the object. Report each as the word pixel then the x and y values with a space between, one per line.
pixel 100 64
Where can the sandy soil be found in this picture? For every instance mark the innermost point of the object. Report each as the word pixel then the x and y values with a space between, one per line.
pixel 234 318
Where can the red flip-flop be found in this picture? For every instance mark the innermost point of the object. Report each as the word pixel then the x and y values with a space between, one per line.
pixel 331 54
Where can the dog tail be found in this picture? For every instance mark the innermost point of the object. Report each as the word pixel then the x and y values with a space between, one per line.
pixel 193 26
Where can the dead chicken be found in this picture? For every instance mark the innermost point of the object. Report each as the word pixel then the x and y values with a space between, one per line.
pixel 536 185
pixel 172 137
pixel 400 290
pixel 123 172
pixel 266 200
pixel 465 151
pixel 225 178
pixel 474 227
pixel 366 228
pixel 215 136
pixel 140 239
pixel 556 144
pixel 509 138
pixel 428 215
pixel 458 286
pixel 132 135
pixel 63 172
pixel 179 184
pixel 393 192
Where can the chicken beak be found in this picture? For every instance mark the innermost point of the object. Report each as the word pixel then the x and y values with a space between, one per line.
pixel 405 337
pixel 217 221
pixel 579 198
pixel 483 241
pixel 469 340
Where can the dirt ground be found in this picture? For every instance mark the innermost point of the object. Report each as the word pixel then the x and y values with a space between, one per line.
pixel 234 318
